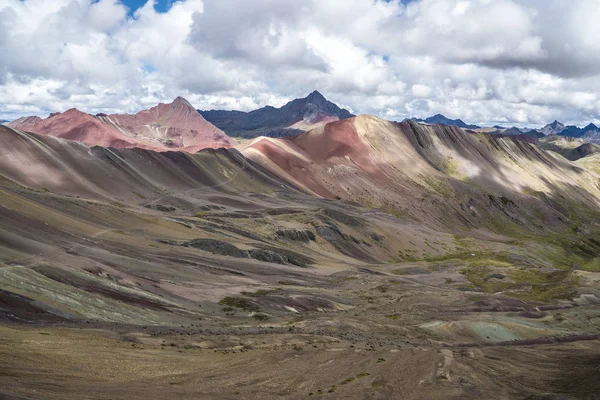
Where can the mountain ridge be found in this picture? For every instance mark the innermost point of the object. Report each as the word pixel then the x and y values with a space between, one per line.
pixel 294 117
pixel 442 119
pixel 354 158
pixel 162 127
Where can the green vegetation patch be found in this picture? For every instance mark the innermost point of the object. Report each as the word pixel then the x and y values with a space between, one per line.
pixel 260 292
pixel 546 286
pixel 405 256
pixel 526 284
pixel 348 380
pixel 239 303
pixel 450 166
pixel 260 317
pixel 474 258
pixel 439 186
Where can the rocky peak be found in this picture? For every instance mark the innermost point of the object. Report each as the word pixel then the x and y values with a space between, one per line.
pixel 553 128
pixel 443 120
pixel 316 98
pixel 180 102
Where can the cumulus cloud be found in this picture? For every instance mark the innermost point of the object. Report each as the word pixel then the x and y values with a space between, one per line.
pixel 522 62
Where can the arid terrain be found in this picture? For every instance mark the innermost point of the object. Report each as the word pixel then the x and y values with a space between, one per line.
pixel 362 259
pixel 299 199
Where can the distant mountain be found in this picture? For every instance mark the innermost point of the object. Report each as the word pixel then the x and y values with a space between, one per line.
pixel 569 147
pixel 297 116
pixel 175 126
pixel 573 131
pixel 440 119
pixel 74 125
pixel 553 129
pixel 3 121
pixel 530 135
pixel 514 131
pixel 582 151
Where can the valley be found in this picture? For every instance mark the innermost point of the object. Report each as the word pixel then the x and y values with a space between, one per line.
pixel 394 260
pixel 299 199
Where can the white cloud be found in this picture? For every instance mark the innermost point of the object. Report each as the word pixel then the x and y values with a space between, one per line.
pixel 421 91
pixel 496 61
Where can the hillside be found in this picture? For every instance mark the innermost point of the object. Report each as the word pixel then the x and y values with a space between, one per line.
pixel 351 252
pixel 439 175
pixel 167 126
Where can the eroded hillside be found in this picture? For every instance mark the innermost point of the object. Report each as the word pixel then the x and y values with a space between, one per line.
pixel 392 260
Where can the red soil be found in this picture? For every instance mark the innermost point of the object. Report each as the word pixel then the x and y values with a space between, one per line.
pixel 75 125
pixel 175 126
pixel 338 140
pixel 337 160
pixel 294 165
pixel 179 122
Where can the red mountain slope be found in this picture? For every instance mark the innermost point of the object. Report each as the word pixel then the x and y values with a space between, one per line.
pixel 412 169
pixel 164 127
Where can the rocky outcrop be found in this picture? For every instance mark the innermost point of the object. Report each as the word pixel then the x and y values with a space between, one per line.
pixel 160 207
pixel 270 255
pixel 296 235
pixel 217 247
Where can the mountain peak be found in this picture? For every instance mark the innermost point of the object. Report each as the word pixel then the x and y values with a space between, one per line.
pixel 553 128
pixel 443 120
pixel 71 112
pixel 316 98
pixel 315 93
pixel 181 102
pixel 292 118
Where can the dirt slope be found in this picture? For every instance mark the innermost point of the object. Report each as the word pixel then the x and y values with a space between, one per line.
pixel 440 175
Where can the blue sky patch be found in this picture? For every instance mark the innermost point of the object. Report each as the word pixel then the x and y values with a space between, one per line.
pixel 160 5
pixel 148 68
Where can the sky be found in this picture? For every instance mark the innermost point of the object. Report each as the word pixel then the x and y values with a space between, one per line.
pixel 159 5
pixel 508 62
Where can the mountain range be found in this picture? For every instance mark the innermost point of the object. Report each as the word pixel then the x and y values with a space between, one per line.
pixel 553 128
pixel 179 126
pixel 441 119
pixel 364 255
pixel 591 131
pixel 297 116
pixel 573 131
pixel 164 127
